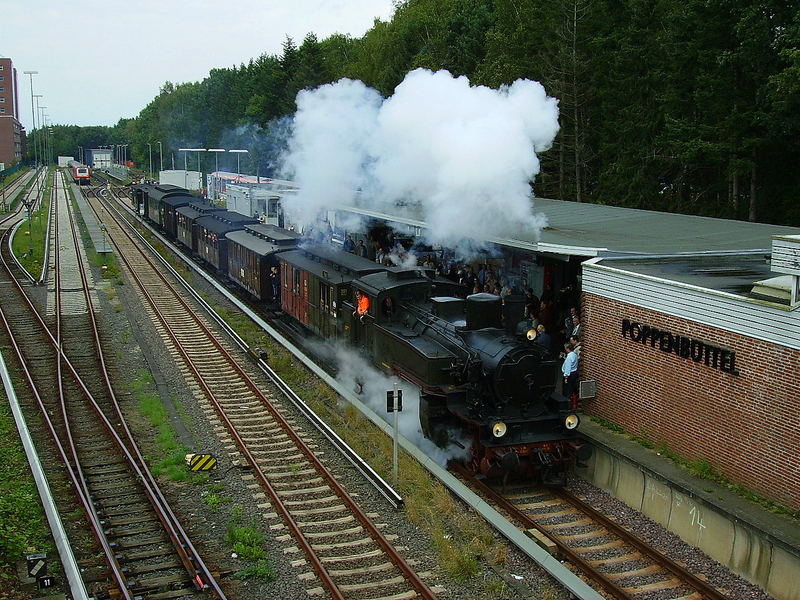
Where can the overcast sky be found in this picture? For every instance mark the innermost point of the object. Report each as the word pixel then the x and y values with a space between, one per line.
pixel 99 61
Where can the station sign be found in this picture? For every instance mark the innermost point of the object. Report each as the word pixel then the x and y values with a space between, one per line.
pixel 680 345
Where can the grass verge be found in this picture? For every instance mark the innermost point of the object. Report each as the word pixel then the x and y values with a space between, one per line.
pixel 23 527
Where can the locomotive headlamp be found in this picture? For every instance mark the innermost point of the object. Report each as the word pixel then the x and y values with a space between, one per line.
pixel 571 422
pixel 531 335
pixel 499 430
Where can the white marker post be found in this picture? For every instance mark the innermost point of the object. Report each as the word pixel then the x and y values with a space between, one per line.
pixel 394 404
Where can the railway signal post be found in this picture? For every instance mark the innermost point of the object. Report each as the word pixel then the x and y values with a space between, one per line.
pixel 394 404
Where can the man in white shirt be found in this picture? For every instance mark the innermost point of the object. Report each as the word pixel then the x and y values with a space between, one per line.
pixel 570 370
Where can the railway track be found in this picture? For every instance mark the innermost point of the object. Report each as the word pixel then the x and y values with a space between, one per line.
pixel 345 552
pixel 146 554
pixel 622 564
pixel 20 182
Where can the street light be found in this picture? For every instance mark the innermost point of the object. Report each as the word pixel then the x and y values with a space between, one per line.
pixel 238 154
pixel 160 159
pixel 37 143
pixel 150 157
pixel 216 156
pixel 33 116
pixel 43 131
pixel 216 152
pixel 198 150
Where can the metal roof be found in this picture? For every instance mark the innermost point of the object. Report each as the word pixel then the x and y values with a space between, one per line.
pixel 732 273
pixel 177 201
pixel 583 229
pixel 273 233
pixel 255 244
pixel 211 223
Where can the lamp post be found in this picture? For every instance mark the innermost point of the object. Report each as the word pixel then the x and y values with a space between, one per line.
pixel 184 150
pixel 150 157
pixel 37 143
pixel 33 115
pixel 216 152
pixel 42 140
pixel 238 154
pixel 160 159
pixel 46 140
pixel 199 169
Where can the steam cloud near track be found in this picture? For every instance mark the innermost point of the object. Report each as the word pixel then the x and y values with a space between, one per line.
pixel 466 154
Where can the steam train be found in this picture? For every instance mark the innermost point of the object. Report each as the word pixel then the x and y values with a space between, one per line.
pixel 81 174
pixel 479 383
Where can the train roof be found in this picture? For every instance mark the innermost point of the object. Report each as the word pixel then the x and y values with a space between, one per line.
pixel 258 245
pixel 176 201
pixel 213 224
pixel 162 190
pixel 274 234
pixel 391 278
pixel 330 264
pixel 205 208
pixel 190 211
pixel 234 218
pixel 345 260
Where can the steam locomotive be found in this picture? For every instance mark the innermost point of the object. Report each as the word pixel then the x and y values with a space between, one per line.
pixel 480 384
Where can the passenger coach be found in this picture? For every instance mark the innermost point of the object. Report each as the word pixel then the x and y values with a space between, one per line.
pixel 212 231
pixel 316 281
pixel 252 252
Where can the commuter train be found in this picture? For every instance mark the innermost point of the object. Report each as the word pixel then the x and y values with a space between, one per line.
pixel 81 174
pixel 481 386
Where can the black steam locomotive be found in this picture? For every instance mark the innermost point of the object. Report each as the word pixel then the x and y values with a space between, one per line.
pixel 480 384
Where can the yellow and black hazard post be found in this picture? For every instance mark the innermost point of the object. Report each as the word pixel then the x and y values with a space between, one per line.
pixel 201 462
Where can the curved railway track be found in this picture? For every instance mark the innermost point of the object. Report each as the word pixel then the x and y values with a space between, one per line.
pixel 345 549
pixel 622 564
pixel 146 552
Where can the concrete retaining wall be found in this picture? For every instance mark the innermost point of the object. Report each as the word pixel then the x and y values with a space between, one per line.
pixel 750 552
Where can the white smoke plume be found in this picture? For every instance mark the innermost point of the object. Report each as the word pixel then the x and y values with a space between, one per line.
pixel 465 155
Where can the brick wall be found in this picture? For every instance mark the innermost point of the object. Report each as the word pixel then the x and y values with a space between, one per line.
pixel 747 426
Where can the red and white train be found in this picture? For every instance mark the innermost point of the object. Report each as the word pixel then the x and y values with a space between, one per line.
pixel 81 174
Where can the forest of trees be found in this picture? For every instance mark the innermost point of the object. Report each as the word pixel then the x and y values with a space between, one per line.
pixel 690 106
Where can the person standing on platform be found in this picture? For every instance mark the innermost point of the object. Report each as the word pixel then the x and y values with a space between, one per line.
pixel 570 370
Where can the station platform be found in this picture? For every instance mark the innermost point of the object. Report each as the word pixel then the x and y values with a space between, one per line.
pixel 96 230
pixel 760 545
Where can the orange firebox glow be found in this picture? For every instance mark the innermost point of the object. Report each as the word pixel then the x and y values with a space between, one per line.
pixel 363 304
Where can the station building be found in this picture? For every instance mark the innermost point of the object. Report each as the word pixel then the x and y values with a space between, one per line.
pixel 254 196
pixel 700 355
pixel 99 158
pixel 12 134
